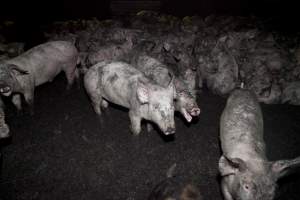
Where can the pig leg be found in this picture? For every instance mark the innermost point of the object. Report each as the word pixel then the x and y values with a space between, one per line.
pixel 96 102
pixel 29 99
pixel 16 99
pixel 104 104
pixel 135 123
pixel 226 193
pixel 71 74
pixel 77 77
pixel 93 91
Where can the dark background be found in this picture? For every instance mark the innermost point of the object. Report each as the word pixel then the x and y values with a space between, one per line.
pixel 30 16
pixel 32 12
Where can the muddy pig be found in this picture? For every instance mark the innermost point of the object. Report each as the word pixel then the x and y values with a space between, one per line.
pixel 122 84
pixel 36 66
pixel 246 172
pixel 185 102
pixel 4 129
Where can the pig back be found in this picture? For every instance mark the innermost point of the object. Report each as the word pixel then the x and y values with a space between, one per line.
pixel 119 82
pixel 241 126
pixel 154 70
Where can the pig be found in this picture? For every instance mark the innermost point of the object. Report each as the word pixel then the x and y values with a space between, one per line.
pixel 219 70
pixel 122 84
pixel 181 60
pixel 107 51
pixel 4 129
pixel 20 75
pixel 175 188
pixel 185 102
pixel 246 172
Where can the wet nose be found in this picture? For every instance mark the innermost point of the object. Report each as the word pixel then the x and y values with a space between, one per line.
pixel 170 131
pixel 195 112
pixel 4 88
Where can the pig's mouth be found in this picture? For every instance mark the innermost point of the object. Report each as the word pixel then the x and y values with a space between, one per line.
pixel 186 115
pixel 169 131
pixel 6 91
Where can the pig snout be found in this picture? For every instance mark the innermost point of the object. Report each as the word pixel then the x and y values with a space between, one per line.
pixel 4 88
pixel 195 111
pixel 169 131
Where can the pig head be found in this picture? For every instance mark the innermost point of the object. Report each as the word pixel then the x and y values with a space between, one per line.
pixel 253 179
pixel 182 62
pixel 160 104
pixel 8 78
pixel 246 172
pixel 185 101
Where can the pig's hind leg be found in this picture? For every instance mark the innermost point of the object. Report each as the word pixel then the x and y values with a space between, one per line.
pixel 17 101
pixel 29 98
pixel 96 102
pixel 72 73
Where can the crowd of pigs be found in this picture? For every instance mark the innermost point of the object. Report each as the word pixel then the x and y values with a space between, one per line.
pixel 156 64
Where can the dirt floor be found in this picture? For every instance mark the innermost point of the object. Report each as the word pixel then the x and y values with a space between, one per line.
pixel 62 152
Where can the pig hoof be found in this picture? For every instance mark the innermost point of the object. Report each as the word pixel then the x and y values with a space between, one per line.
pixel 135 132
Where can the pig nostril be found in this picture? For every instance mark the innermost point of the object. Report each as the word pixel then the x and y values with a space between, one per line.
pixel 170 131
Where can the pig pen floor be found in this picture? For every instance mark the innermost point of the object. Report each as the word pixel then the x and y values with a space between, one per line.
pixel 62 151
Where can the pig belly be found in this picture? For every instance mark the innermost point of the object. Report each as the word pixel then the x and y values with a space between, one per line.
pixel 46 73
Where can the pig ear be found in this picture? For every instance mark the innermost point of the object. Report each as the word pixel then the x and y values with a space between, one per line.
pixel 142 94
pixel 17 70
pixel 230 166
pixel 281 168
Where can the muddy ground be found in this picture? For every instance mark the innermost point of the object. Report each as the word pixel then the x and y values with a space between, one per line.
pixel 62 152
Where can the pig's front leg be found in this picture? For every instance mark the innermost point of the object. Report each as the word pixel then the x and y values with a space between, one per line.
pixel 226 193
pixel 135 123
pixel 29 98
pixel 16 99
